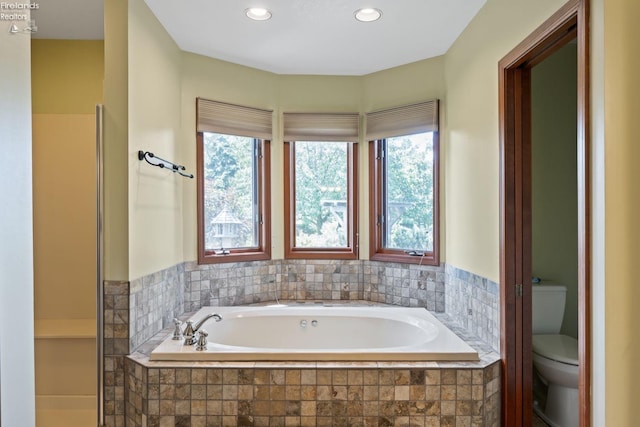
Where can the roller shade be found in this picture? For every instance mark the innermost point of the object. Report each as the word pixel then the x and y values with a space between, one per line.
pixel 321 127
pixel 405 120
pixel 230 119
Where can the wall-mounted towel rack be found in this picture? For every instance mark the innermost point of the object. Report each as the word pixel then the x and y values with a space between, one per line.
pixel 153 160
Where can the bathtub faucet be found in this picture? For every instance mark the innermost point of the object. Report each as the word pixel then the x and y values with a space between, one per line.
pixel 191 329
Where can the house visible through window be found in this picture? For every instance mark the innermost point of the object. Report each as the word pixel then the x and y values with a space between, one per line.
pixel 233 182
pixel 231 214
pixel 404 184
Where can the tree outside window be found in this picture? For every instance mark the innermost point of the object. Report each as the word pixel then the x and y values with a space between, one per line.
pixel 320 198
pixel 232 198
pixel 408 192
pixel 321 194
pixel 230 190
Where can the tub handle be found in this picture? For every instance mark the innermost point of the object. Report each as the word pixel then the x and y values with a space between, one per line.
pixel 314 323
pixel 303 323
pixel 177 332
pixel 189 334
pixel 202 340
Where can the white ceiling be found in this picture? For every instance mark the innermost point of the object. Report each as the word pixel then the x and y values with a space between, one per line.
pixel 69 19
pixel 303 36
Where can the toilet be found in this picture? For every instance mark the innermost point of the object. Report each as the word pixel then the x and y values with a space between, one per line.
pixel 555 357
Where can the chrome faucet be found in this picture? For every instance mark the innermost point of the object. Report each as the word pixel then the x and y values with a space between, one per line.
pixel 191 329
pixel 177 332
pixel 202 340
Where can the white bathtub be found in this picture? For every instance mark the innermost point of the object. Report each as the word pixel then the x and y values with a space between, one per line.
pixel 320 334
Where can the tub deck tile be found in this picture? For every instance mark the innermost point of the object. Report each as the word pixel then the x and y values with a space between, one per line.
pixel 310 393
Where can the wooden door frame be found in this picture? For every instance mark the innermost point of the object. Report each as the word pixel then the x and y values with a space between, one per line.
pixel 571 21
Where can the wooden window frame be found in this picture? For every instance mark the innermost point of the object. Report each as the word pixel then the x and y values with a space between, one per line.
pixel 376 229
pixel 348 252
pixel 263 250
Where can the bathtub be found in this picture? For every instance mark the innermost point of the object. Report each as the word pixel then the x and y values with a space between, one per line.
pixel 320 333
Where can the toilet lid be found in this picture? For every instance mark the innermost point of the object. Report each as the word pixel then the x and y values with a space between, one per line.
pixel 560 348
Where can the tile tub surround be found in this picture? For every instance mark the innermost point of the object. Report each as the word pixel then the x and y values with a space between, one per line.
pixel 407 285
pixel 116 347
pixel 313 393
pixel 154 300
pixel 134 313
pixel 474 302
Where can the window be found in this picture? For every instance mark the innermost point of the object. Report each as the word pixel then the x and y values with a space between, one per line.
pixel 404 184
pixel 320 185
pixel 233 181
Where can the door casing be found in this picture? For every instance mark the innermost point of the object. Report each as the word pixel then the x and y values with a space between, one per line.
pixel 568 23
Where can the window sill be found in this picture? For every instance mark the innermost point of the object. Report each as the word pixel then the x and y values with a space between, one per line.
pixel 318 254
pixel 427 259
pixel 233 257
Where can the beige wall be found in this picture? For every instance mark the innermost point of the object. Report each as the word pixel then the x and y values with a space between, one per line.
pixel 554 171
pixel 471 163
pixel 116 140
pixel 410 83
pixel 622 209
pixel 143 204
pixel 155 195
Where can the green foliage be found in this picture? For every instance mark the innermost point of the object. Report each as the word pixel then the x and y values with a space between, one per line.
pixel 321 191
pixel 229 185
pixel 409 192
pixel 320 178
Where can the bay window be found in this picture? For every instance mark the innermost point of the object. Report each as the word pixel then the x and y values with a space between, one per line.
pixel 403 164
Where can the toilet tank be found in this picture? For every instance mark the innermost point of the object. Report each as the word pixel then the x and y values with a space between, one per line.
pixel 548 307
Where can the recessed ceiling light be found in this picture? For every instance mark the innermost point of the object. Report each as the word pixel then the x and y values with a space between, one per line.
pixel 258 13
pixel 367 14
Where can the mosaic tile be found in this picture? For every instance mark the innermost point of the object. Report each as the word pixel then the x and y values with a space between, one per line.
pixel 353 393
pixel 474 302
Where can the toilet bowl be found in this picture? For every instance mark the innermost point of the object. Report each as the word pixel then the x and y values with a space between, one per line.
pixel 555 358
